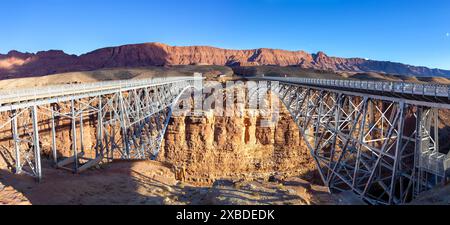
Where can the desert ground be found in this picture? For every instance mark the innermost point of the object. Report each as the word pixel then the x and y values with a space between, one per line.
pixel 151 182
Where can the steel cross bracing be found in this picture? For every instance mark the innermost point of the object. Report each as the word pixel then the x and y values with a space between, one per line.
pixel 130 120
pixel 383 149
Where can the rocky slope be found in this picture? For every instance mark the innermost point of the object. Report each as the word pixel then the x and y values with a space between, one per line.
pixel 16 64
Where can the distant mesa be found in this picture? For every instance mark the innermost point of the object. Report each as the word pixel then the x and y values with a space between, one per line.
pixel 16 64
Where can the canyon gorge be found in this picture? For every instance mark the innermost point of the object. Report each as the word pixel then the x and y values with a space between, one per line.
pixel 201 154
pixel 205 154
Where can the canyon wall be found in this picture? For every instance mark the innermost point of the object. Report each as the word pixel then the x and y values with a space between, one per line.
pixel 209 147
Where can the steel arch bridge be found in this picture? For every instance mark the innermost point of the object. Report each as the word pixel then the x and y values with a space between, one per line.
pixel 377 139
pixel 131 118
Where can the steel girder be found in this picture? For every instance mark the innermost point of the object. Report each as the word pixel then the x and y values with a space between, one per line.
pixel 130 124
pixel 387 152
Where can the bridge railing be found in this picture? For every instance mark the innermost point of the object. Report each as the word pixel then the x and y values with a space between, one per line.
pixel 86 87
pixel 435 90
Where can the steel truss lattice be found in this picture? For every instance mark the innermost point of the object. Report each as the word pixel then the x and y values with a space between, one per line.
pixel 385 151
pixel 130 122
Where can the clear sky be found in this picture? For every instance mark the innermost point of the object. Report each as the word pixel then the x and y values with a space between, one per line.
pixel 409 31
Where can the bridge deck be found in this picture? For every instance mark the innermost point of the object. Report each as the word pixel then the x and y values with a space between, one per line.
pixel 431 95
pixel 11 100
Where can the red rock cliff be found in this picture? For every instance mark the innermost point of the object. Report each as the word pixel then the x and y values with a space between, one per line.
pixel 16 64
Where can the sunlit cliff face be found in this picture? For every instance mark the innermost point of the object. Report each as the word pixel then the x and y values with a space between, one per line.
pixel 249 142
pixel 10 63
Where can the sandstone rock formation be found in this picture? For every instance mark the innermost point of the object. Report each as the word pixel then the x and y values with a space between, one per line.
pixel 16 64
pixel 210 146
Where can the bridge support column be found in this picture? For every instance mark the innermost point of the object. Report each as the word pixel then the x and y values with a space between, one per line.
pixel 74 136
pixel 36 145
pixel 53 133
pixel 123 126
pixel 16 143
pixel 99 143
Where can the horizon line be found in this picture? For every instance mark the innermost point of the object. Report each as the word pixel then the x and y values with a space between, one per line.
pixel 224 48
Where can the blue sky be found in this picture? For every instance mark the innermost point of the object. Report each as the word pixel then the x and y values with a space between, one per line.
pixel 414 32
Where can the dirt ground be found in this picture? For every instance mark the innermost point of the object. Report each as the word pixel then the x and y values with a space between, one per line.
pixel 436 196
pixel 150 182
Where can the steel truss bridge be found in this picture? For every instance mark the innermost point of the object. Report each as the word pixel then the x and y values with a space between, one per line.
pixel 377 139
pixel 131 118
